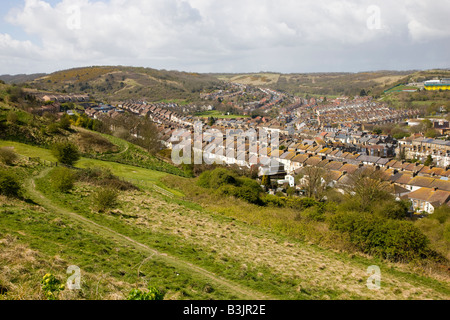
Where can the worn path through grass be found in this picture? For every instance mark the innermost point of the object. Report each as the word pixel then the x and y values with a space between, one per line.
pixel 226 285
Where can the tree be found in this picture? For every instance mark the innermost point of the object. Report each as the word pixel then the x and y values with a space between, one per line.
pixel 266 182
pixel 315 182
pixel 378 131
pixel 431 133
pixel 367 187
pixel 429 161
pixel 66 152
pixel 150 139
pixel 402 153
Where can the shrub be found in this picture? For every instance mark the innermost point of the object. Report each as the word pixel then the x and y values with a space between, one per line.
pixel 9 184
pixel 393 209
pixel 248 194
pixel 442 214
pixel 65 123
pixel 204 179
pixel 314 214
pixel 7 156
pixel 220 177
pixel 152 294
pixel 271 200
pixel 62 179
pixel 12 117
pixel 53 128
pixel 105 199
pixel 393 239
pixel 103 177
pixel 67 153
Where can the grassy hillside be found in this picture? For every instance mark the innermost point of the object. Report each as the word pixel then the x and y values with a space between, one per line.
pixel 122 83
pixel 189 250
pixel 332 84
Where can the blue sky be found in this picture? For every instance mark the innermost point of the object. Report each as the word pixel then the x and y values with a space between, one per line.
pixel 225 36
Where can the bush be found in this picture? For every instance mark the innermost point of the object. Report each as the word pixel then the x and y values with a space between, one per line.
pixel 274 201
pixel 8 156
pixel 204 179
pixel 152 294
pixel 393 239
pixel 53 128
pixel 9 184
pixel 220 177
pixel 314 214
pixel 62 179
pixel 442 214
pixel 248 194
pixel 65 123
pixel 67 153
pixel 104 177
pixel 12 117
pixel 393 209
pixel 105 199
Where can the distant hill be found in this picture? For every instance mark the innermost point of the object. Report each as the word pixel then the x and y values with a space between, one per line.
pixel 333 83
pixel 118 83
pixel 20 78
pixel 122 83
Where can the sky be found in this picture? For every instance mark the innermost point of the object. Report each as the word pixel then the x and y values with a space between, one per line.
pixel 225 36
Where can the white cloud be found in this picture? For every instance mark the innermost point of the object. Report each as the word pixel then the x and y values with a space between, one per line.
pixel 234 35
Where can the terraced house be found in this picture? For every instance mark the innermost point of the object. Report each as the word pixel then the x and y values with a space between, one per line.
pixel 421 148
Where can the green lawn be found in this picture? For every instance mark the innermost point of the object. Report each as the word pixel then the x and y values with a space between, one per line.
pixel 218 114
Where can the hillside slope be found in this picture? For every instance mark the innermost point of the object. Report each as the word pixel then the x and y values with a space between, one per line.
pixel 122 83
pixel 333 83
pixel 182 248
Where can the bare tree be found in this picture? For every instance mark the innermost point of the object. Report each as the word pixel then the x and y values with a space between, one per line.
pixel 314 181
pixel 369 186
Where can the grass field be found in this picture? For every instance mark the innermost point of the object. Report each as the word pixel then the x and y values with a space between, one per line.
pixel 218 114
pixel 140 176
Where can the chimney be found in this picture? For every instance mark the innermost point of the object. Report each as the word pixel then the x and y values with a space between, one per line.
pixel 344 173
pixel 414 174
pixel 344 163
pixel 435 189
pixel 324 158
pixel 395 171
pixel 361 165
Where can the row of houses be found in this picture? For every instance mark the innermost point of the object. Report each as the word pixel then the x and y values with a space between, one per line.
pixel 420 148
